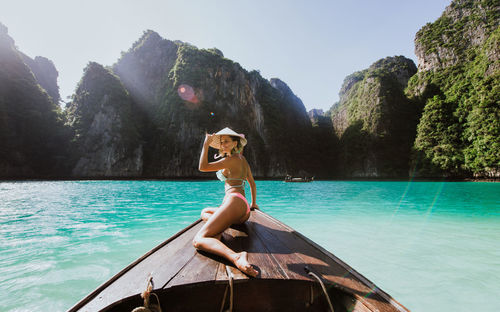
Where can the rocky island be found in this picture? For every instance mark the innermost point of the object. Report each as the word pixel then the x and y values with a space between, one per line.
pixel 145 116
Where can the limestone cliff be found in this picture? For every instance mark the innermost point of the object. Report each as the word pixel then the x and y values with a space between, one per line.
pixel 143 69
pixel 293 110
pixel 324 149
pixel 463 26
pixel 33 138
pixel 45 73
pixel 374 120
pixel 185 91
pixel 458 83
pixel 107 138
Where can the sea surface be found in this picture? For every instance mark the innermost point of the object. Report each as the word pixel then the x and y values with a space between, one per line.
pixel 433 246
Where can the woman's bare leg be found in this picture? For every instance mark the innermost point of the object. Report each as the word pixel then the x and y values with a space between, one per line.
pixel 221 219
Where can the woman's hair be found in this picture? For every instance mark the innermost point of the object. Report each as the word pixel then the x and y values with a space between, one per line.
pixel 237 149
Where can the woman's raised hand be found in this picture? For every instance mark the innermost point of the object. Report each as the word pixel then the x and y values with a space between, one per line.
pixel 209 138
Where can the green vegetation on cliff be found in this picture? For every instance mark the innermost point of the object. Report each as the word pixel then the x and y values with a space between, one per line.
pixel 459 132
pixel 33 138
pixel 374 120
pixel 99 90
pixel 454 28
pixel 107 127
pixel 273 118
pixel 147 115
pixel 185 91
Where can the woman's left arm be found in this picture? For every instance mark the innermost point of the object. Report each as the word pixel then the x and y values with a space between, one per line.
pixel 253 187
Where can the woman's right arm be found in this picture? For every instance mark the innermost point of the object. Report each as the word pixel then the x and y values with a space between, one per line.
pixel 204 165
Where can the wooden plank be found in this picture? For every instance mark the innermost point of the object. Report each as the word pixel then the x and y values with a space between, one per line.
pixel 277 250
pixel 330 268
pixel 259 255
pixel 206 267
pixel 237 275
pixel 238 238
pixel 233 238
pixel 289 263
pixel 221 276
pixel 316 260
pixel 354 305
pixel 307 253
pixel 163 265
pixel 200 268
pixel 375 292
pixel 370 295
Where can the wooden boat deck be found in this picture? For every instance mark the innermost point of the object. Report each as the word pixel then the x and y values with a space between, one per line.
pixel 278 252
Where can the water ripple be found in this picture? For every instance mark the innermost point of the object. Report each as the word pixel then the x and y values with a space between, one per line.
pixel 438 240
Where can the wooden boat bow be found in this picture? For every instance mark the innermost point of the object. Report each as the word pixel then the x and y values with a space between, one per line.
pixel 188 280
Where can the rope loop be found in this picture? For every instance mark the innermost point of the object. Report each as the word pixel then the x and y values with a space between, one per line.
pixel 311 273
pixel 145 295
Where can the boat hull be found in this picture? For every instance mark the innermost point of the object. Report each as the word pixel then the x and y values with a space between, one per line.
pixel 188 280
pixel 251 295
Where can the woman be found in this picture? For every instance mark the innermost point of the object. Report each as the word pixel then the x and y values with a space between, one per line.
pixel 233 169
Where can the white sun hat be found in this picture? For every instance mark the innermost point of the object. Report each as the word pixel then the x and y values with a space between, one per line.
pixel 227 131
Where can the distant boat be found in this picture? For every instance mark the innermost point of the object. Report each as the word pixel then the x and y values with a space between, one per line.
pixel 289 178
pixel 294 275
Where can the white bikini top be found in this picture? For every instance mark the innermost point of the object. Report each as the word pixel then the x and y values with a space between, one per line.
pixel 223 178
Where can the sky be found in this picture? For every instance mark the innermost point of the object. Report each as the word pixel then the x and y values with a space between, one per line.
pixel 310 45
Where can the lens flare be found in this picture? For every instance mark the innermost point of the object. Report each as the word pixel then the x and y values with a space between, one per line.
pixel 186 92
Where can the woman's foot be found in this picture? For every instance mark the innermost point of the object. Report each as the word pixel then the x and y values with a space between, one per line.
pixel 241 262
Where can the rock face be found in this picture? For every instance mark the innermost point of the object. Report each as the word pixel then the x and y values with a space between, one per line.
pixel 145 67
pixel 106 127
pixel 33 139
pixel 374 120
pixel 464 25
pixel 45 73
pixel 180 92
pixel 458 85
pixel 293 109
pixel 324 146
pixel 146 116
pixel 291 136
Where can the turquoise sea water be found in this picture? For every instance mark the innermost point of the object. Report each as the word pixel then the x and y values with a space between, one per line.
pixel 433 246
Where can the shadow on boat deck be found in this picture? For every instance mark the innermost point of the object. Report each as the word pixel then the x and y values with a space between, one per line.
pixel 188 280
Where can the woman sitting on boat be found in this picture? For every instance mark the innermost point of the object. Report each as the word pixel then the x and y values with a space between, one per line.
pixel 233 169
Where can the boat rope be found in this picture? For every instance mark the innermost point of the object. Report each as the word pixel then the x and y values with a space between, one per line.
pixel 145 295
pixel 230 280
pixel 310 273
pixel 223 300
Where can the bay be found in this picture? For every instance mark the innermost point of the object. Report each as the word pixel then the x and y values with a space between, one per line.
pixel 433 246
